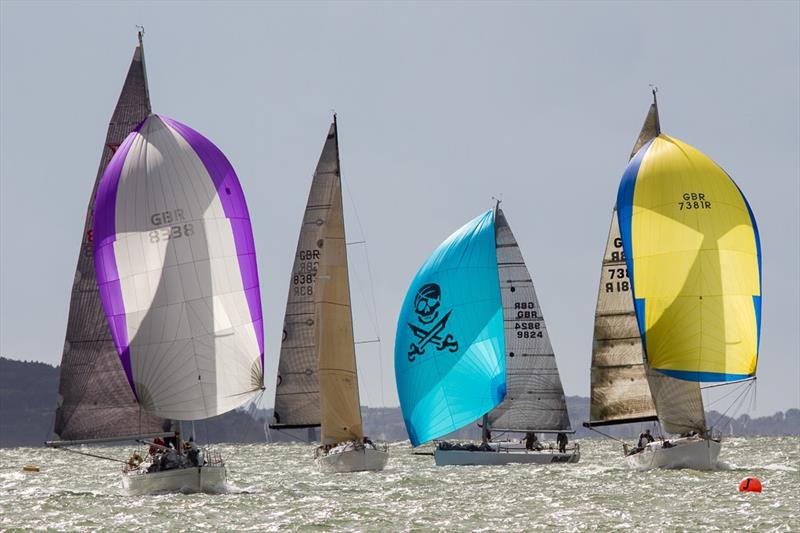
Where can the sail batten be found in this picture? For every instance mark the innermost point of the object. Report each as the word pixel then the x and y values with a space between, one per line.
pixel 95 398
pixel 534 395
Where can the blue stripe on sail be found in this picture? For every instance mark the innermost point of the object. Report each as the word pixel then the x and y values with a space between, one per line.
pixel 624 216
pixel 450 346
pixel 756 297
pixel 703 376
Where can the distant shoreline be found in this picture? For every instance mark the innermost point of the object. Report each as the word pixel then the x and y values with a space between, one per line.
pixel 29 394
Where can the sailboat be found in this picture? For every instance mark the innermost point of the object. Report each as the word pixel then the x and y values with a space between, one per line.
pixel 165 318
pixel 472 344
pixel 679 301
pixel 317 382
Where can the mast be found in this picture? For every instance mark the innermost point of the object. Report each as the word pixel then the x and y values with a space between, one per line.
pixel 144 69
pixel 95 399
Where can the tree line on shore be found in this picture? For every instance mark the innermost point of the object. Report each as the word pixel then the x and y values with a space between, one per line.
pixel 29 394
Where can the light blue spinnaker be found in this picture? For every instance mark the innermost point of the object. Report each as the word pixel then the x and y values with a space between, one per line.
pixel 450 349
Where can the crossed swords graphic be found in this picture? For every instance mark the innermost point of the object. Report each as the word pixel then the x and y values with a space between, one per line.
pixel 431 337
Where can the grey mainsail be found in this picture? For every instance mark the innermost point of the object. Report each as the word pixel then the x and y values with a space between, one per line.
pixel 534 395
pixel 317 381
pixel 624 388
pixel 95 399
pixel 620 392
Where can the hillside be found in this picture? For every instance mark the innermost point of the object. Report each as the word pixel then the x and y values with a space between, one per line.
pixel 28 397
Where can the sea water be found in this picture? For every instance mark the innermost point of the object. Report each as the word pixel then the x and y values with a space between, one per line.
pixel 275 487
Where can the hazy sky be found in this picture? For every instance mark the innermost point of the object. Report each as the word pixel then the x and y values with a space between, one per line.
pixel 441 106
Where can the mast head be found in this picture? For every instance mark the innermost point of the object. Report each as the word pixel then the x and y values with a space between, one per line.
pixel 140 34
pixel 496 203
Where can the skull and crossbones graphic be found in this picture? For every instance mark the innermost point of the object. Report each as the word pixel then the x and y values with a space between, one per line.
pixel 426 304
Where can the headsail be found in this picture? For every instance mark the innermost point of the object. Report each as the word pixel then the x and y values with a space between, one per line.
pixel 317 380
pixel 176 266
pixel 694 258
pixel 95 399
pixel 450 348
pixel 535 398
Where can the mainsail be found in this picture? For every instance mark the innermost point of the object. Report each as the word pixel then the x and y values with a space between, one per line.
pixel 317 378
pixel 449 349
pixel 95 399
pixel 535 398
pixel 176 267
pixel 624 388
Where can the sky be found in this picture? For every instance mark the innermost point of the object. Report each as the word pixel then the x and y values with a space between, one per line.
pixel 441 106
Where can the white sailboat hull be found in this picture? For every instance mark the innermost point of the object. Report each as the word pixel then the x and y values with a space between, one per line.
pixel 365 459
pixel 209 478
pixel 686 452
pixel 503 456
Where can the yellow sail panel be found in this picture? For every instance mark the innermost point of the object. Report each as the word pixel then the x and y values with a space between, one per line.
pixel 693 255
pixel 339 400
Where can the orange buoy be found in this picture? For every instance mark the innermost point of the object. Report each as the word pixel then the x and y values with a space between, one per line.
pixel 750 484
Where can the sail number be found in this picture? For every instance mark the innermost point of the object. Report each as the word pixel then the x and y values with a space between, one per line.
pixel 525 328
pixel 694 200
pixel 171 232
pixel 618 255
pixel 303 278
pixel 619 280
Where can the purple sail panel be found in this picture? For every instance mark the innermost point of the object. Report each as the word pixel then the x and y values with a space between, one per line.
pixel 104 234
pixel 233 202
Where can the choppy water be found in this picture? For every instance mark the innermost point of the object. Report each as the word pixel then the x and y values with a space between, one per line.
pixel 276 487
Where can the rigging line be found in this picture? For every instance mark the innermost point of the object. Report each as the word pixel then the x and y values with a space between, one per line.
pixel 606 435
pixel 371 289
pixel 94 455
pixel 729 393
pixel 735 401
pixel 728 383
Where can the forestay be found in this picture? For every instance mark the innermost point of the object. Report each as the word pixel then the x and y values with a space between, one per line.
pixel 449 349
pixel 535 398
pixel 176 266
pixel 95 399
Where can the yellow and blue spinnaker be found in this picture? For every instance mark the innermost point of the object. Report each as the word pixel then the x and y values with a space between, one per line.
pixel 694 260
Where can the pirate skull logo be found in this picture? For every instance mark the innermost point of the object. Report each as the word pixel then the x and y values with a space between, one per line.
pixel 427 302
pixel 426 305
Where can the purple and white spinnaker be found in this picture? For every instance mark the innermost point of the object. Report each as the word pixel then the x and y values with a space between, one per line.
pixel 176 268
